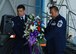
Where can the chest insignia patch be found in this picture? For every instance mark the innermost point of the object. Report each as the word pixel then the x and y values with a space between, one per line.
pixel 60 23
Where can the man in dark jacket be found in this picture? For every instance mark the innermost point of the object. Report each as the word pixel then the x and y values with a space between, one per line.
pixel 18 28
pixel 55 33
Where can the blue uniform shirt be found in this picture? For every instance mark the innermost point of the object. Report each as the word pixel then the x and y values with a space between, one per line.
pixel 56 28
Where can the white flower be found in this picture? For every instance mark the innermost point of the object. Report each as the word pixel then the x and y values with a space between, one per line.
pixel 32 14
pixel 37 17
pixel 42 29
pixel 40 37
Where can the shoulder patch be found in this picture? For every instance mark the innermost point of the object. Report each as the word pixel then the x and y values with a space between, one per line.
pixel 60 23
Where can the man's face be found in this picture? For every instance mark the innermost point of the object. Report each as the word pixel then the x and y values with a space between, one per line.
pixel 20 12
pixel 53 13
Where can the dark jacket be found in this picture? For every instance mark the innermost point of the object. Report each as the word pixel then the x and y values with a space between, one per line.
pixel 56 28
pixel 19 26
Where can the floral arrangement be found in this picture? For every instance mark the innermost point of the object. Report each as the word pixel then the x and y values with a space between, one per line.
pixel 34 31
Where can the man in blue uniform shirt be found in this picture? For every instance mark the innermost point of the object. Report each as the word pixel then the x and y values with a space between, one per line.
pixel 55 33
pixel 18 28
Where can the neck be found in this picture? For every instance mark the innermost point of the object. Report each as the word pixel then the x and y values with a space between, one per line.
pixel 21 15
pixel 24 15
pixel 56 16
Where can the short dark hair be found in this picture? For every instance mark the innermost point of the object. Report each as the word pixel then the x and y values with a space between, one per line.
pixel 54 7
pixel 21 6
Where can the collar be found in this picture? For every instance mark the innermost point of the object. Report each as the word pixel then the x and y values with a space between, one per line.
pixel 57 18
pixel 23 17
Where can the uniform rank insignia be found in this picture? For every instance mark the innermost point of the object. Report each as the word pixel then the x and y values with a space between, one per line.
pixel 60 23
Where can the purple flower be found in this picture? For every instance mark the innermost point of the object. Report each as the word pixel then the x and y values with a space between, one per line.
pixel 32 40
pixel 36 33
pixel 31 34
